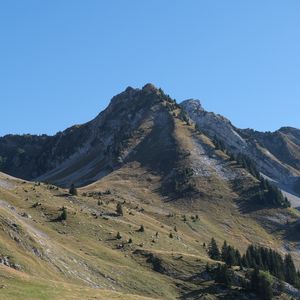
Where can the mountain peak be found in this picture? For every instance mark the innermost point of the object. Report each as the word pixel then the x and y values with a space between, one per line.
pixel 192 105
pixel 150 87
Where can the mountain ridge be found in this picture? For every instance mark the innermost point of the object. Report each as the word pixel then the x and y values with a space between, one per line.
pixel 47 158
pixel 153 187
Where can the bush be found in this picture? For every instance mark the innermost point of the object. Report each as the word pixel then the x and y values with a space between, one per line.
pixel 141 229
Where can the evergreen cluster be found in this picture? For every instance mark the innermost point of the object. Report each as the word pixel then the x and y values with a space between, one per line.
pixel 245 162
pixel 228 254
pixel 271 261
pixel 184 117
pixel 256 257
pixel 267 193
pixel 182 185
pixel 261 284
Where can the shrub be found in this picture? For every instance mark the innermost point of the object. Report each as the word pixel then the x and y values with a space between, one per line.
pixel 141 229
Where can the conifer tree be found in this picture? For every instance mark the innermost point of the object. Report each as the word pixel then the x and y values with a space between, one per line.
pixel 223 275
pixel 63 216
pixel 119 209
pixel 73 190
pixel 224 251
pixel 290 270
pixel 213 250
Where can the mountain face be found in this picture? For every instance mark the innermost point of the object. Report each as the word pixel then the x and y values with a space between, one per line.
pixel 138 125
pixel 85 153
pixel 276 154
pixel 175 188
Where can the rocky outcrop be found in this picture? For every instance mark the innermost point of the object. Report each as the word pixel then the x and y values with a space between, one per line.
pixel 277 155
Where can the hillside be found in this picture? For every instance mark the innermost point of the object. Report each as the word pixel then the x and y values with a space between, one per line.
pixel 276 154
pixel 177 190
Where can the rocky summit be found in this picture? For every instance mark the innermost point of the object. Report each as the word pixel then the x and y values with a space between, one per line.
pixel 150 200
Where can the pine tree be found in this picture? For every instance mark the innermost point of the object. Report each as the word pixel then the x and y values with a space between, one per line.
pixel 213 250
pixel 230 259
pixel 265 291
pixel 223 275
pixel 254 281
pixel 119 209
pixel 63 216
pixel 73 190
pixel 290 270
pixel 224 251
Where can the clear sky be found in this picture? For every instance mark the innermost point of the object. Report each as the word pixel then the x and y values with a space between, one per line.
pixel 62 60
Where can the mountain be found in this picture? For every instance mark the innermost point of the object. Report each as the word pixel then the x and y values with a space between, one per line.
pixel 177 188
pixel 276 154
pixel 84 153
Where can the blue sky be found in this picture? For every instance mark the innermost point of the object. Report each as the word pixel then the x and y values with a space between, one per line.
pixel 62 60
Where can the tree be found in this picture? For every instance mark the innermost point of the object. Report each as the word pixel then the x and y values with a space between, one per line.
pixel 119 209
pixel 63 215
pixel 118 236
pixel 230 259
pixel 290 270
pixel 261 284
pixel 213 250
pixel 224 251
pixel 223 275
pixel 73 190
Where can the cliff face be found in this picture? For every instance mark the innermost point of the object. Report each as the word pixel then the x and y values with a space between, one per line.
pixel 276 154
